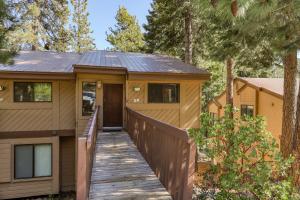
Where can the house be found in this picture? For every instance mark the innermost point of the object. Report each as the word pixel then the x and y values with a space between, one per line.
pixel 47 99
pixel 255 96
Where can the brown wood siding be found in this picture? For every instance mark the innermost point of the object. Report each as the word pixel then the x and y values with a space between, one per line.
pixel 23 116
pixel 67 163
pixel 11 188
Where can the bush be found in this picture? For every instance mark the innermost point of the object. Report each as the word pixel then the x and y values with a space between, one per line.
pixel 246 162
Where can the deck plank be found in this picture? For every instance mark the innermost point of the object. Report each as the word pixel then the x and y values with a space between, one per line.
pixel 120 172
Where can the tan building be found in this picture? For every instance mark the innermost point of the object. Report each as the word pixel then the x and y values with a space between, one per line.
pixel 47 98
pixel 255 96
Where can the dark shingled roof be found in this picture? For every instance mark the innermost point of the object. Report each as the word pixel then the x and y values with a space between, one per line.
pixel 47 61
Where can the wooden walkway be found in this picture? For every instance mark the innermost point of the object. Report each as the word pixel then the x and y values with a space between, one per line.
pixel 120 172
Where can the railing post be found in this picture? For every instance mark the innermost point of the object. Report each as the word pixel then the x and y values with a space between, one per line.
pixel 190 171
pixel 81 185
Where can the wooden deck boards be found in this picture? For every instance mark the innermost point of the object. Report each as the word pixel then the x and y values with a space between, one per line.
pixel 120 171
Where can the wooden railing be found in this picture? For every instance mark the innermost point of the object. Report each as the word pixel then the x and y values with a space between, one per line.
pixel 85 155
pixel 168 150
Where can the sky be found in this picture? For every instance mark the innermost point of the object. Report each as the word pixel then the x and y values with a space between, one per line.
pixel 102 16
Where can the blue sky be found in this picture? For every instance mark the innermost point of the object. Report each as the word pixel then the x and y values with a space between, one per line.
pixel 102 16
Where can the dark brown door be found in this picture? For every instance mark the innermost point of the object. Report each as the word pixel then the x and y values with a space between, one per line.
pixel 112 105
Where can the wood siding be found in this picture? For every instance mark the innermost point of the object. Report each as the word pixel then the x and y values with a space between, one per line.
pixel 11 188
pixel 56 115
pixel 184 114
pixel 67 163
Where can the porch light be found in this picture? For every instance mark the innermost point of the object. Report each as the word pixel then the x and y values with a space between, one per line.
pixel 99 84
pixel 136 89
pixel 2 88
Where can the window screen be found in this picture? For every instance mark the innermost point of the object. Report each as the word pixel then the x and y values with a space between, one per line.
pixel 33 161
pixel 42 160
pixel 163 93
pixel 88 98
pixel 247 110
pixel 23 161
pixel 32 92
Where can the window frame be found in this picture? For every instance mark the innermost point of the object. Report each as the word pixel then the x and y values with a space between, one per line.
pixel 31 82
pixel 246 106
pixel 87 81
pixel 33 161
pixel 177 85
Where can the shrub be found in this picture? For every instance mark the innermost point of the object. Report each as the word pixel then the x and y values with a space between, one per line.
pixel 246 162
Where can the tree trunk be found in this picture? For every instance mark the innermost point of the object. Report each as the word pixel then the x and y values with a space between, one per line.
pixel 188 37
pixel 296 140
pixel 289 103
pixel 229 82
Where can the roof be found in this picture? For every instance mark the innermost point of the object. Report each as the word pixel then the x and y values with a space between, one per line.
pixel 42 61
pixel 270 85
pixel 274 85
pixel 47 61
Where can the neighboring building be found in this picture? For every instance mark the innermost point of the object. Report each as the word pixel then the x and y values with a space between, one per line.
pixel 255 96
pixel 46 99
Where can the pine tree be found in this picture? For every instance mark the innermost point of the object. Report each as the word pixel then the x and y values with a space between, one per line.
pixel 5 53
pixel 126 35
pixel 165 30
pixel 81 31
pixel 39 25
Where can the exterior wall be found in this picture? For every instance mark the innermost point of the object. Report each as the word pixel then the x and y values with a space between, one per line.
pixel 101 79
pixel 271 108
pixel 12 188
pixel 37 116
pixel 56 115
pixel 67 163
pixel 184 114
pixel 265 104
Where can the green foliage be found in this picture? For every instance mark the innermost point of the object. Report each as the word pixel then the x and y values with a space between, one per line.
pixel 81 31
pixel 246 162
pixel 165 27
pixel 38 25
pixel 127 35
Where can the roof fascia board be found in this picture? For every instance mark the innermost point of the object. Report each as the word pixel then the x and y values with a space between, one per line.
pixel 259 88
pixel 166 76
pixel 37 75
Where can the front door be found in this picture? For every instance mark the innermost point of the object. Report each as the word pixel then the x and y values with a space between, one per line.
pixel 112 105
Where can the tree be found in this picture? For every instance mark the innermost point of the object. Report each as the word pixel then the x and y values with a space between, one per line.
pixel 5 53
pixel 81 31
pixel 247 163
pixel 126 35
pixel 39 25
pixel 282 18
pixel 170 28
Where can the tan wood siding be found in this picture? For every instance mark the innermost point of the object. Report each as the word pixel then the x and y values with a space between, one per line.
pixel 34 116
pixel 184 114
pixel 5 165
pixel 28 187
pixel 67 105
pixel 270 107
pixel 67 163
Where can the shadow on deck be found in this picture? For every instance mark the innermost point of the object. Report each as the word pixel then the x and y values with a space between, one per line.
pixel 120 171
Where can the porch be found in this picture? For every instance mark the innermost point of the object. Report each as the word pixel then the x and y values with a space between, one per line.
pixel 152 160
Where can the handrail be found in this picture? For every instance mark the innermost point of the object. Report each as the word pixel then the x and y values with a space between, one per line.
pixel 85 155
pixel 168 150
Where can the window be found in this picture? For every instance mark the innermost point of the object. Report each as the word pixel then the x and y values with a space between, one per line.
pixel 163 93
pixel 32 92
pixel 88 98
pixel 247 110
pixel 33 160
pixel 213 115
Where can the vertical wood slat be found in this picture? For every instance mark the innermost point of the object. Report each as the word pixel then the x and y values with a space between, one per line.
pixel 168 150
pixel 85 155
